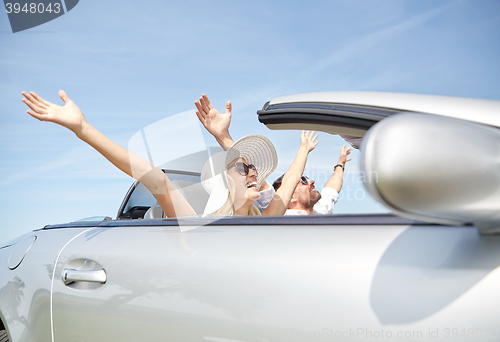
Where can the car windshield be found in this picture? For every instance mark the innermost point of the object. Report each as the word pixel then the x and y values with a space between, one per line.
pixel 353 197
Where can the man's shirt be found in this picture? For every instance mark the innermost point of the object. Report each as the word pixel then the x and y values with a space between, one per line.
pixel 324 206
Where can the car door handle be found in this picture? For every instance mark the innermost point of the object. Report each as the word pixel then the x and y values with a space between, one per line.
pixel 72 275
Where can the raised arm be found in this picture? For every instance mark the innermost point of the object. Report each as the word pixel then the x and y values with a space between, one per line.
pixel 281 200
pixel 215 122
pixel 335 181
pixel 71 117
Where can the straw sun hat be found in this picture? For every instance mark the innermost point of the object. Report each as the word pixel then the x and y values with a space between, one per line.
pixel 255 149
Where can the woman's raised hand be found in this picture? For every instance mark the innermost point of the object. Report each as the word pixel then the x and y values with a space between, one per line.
pixel 308 140
pixel 69 115
pixel 214 121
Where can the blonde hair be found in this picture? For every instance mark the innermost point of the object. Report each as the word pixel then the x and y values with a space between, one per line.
pixel 228 206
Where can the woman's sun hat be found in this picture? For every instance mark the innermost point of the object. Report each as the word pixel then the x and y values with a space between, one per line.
pixel 256 149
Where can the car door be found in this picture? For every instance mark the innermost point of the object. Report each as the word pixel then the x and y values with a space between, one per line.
pixel 279 279
pixel 27 268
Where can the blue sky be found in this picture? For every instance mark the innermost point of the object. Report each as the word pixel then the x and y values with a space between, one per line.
pixel 129 65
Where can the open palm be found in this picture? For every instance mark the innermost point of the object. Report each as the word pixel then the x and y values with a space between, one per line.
pixel 214 121
pixel 343 155
pixel 69 115
pixel 308 139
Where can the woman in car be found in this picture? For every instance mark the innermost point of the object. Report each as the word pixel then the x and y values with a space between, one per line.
pixel 232 179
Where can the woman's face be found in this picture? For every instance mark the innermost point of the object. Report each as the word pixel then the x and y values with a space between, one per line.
pixel 246 190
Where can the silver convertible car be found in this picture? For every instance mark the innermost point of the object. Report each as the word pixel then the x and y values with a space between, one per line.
pixel 429 270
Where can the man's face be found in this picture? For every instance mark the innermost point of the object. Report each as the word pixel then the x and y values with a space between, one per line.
pixel 306 193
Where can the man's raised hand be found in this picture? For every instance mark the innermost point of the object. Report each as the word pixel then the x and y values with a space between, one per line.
pixel 343 155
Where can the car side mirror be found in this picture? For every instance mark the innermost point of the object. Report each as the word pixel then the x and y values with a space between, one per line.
pixel 435 168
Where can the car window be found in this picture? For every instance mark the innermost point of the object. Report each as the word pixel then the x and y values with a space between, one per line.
pixel 139 199
pixel 353 197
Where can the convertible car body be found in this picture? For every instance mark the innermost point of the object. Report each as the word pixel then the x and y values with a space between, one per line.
pixel 427 271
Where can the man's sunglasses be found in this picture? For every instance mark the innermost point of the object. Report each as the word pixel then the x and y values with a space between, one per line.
pixel 277 183
pixel 242 168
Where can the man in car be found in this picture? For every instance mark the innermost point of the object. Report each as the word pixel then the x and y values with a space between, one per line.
pixel 306 200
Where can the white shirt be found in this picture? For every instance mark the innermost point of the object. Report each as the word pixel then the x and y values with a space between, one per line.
pixel 324 206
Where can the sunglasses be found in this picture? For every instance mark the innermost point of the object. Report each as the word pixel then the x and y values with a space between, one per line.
pixel 242 168
pixel 304 180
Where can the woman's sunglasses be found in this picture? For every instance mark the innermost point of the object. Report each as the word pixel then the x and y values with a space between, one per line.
pixel 242 168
